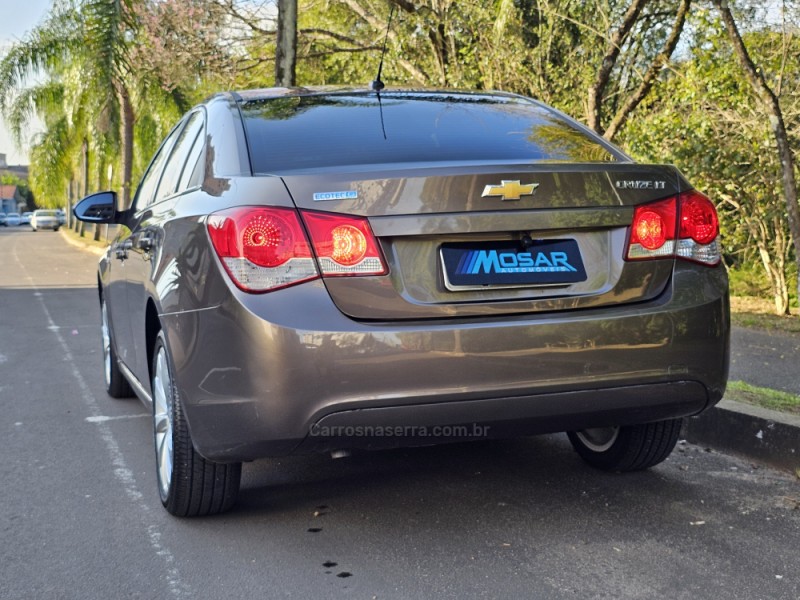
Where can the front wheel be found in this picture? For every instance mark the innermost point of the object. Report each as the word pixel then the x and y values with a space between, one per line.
pixel 189 485
pixel 628 448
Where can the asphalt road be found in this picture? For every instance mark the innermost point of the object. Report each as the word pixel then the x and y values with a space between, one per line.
pixel 80 516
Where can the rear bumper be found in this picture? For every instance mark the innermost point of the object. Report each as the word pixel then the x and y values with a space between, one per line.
pixel 442 422
pixel 46 225
pixel 306 377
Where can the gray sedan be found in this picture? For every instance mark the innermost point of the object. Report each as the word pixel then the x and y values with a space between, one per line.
pixel 320 271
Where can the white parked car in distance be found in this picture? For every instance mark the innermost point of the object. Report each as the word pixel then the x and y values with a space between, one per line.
pixel 25 218
pixel 12 219
pixel 45 219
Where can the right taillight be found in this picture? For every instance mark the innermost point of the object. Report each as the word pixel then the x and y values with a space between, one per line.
pixel 685 226
pixel 344 244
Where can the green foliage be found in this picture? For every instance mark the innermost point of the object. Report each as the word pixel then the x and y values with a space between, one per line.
pixel 764 397
pixel 702 117
pixel 165 55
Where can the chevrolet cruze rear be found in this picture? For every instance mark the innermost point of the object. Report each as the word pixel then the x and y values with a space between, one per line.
pixel 326 271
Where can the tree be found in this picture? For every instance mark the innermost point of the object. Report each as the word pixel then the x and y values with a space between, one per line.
pixel 286 45
pixel 704 118
pixel 771 105
pixel 90 92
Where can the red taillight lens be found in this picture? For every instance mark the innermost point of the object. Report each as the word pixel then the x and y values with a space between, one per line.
pixel 649 229
pixel 698 218
pixel 349 245
pixel 653 230
pixel 344 245
pixel 658 232
pixel 262 248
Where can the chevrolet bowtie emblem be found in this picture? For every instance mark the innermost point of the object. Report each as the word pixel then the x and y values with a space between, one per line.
pixel 509 190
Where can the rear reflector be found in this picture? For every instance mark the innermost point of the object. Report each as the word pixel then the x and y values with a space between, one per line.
pixel 684 226
pixel 344 244
pixel 262 248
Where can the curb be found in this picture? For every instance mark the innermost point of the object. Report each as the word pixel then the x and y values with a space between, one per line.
pixel 99 251
pixel 756 433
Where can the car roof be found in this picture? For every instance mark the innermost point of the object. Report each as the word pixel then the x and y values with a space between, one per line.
pixel 318 90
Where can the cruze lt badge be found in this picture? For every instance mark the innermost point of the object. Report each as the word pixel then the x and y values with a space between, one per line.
pixel 509 190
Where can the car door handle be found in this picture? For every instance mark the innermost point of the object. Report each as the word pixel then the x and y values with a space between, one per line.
pixel 122 249
pixel 145 243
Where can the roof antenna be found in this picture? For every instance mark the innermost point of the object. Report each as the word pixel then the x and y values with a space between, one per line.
pixel 378 85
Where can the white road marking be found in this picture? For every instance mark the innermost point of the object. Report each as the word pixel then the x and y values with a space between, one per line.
pixel 177 588
pixel 104 419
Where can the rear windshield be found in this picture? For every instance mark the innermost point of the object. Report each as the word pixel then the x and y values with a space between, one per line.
pixel 45 213
pixel 318 132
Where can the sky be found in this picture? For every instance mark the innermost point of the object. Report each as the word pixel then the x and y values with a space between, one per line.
pixel 16 19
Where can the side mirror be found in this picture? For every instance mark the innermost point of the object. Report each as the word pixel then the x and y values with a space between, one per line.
pixel 97 208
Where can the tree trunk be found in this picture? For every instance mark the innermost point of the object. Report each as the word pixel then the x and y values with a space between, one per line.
pixel 85 167
pixel 771 105
pixel 651 75
pixel 598 88
pixel 126 110
pixel 286 46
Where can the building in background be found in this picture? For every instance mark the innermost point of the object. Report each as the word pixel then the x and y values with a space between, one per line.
pixel 20 171
pixel 12 198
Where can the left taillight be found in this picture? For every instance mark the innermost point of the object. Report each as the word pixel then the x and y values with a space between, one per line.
pixel 684 226
pixel 262 248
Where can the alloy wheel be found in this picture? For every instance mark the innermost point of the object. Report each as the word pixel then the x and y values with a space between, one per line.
pixel 106 343
pixel 598 439
pixel 162 421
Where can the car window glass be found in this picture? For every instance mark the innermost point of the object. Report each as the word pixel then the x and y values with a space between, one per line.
pixel 147 187
pixel 192 171
pixel 177 160
pixel 292 134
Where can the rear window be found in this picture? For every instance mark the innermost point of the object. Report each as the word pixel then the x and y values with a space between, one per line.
pixel 311 133
pixel 45 213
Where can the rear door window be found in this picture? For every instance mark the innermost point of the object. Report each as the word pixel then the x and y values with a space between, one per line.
pixel 174 166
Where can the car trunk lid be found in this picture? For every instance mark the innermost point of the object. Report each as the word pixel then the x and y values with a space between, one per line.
pixel 466 240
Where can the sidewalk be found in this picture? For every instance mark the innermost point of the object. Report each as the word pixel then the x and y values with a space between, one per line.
pixel 768 360
pixel 756 433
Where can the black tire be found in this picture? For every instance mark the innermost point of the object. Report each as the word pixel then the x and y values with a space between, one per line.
pixel 188 484
pixel 628 448
pixel 116 384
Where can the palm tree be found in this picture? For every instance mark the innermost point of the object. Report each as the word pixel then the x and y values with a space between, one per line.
pixel 81 49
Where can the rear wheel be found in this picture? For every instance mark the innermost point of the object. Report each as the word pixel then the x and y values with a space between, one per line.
pixel 628 448
pixel 189 485
pixel 116 384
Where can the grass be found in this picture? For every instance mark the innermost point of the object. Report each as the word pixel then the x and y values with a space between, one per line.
pixel 758 313
pixel 764 397
pixel 87 239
